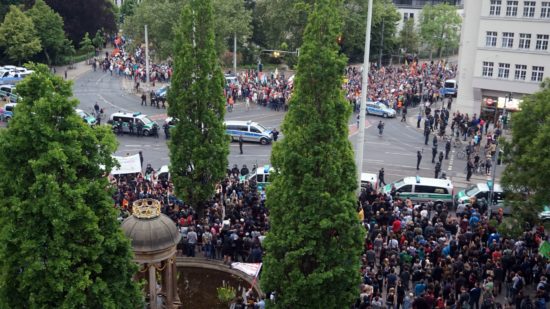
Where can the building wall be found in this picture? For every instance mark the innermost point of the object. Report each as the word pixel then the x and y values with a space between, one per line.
pixel 474 50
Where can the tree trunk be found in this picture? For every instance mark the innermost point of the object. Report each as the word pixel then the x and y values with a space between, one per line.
pixel 48 60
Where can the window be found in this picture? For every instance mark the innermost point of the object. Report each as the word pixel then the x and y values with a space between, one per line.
pixel 487 69
pixel 545 10
pixel 494 9
pixel 542 42
pixel 537 74
pixel 407 188
pixel 254 130
pixel 411 15
pixel 491 38
pixel 507 39
pixel 521 72
pixel 503 70
pixel 511 8
pixel 429 189
pixel 524 40
pixel 529 8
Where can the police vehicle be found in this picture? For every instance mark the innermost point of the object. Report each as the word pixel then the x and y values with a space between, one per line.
pixel 449 88
pixel 250 131
pixel 423 190
pixel 135 118
pixel 260 176
pixel 380 109
pixel 88 119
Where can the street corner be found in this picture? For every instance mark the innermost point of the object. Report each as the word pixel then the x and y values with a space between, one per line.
pixel 353 128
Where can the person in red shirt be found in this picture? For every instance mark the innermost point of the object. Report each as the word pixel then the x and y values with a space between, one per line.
pixel 396 226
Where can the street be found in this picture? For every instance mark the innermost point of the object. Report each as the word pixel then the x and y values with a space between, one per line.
pixel 395 150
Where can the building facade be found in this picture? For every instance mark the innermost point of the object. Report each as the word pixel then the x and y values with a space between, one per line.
pixel 412 8
pixel 503 55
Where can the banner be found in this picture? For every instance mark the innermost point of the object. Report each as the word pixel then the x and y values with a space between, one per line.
pixel 128 165
pixel 251 269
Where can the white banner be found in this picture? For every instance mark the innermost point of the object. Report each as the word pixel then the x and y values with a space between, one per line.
pixel 251 269
pixel 128 165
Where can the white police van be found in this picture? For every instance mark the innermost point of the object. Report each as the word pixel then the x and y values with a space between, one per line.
pixel 250 131
pixel 423 190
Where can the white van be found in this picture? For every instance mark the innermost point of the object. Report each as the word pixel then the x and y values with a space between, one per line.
pixel 423 190
pixel 369 178
pixel 251 131
pixel 260 176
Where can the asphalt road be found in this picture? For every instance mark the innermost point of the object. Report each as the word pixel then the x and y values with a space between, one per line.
pixel 395 150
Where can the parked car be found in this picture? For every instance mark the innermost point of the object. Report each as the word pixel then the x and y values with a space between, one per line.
pixel 380 109
pixel 8 111
pixel 89 119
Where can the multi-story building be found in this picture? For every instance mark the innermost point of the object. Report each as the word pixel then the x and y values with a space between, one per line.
pixel 412 8
pixel 503 55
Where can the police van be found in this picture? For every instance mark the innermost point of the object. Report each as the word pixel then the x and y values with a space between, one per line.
pixel 251 131
pixel 135 118
pixel 260 176
pixel 423 190
pixel 369 178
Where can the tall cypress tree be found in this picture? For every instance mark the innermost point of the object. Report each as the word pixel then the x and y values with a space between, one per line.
pixel 198 145
pixel 60 243
pixel 315 240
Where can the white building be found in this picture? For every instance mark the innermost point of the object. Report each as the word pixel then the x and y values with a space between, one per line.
pixel 503 50
pixel 412 8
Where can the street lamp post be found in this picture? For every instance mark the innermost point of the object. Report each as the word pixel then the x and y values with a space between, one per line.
pixel 363 106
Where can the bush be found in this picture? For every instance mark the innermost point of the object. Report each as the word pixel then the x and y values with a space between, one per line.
pixel 226 293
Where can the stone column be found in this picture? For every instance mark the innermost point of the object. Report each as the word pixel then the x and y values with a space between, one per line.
pixel 177 301
pixel 167 278
pixel 152 287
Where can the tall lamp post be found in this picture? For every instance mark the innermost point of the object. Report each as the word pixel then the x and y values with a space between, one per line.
pixel 363 106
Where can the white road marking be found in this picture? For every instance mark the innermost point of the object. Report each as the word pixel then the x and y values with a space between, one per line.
pixel 402 154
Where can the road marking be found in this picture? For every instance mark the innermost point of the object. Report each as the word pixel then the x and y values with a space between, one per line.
pixel 402 154
pixel 113 105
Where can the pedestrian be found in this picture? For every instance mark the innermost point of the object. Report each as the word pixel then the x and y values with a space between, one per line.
pixel 357 123
pixel 380 128
pixel 434 153
pixel 488 165
pixel 404 114
pixel 469 170
pixel 99 119
pixel 447 148
pixel 434 140
pixel 143 99
pixel 381 177
pixel 418 159
pixel 440 157
pixel 437 169
pixel 241 143
pixel 151 97
pixel 65 73
pixel 275 134
pixel 418 119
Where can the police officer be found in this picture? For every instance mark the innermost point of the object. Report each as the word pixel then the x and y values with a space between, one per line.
pixel 434 153
pixel 155 131
pixel 437 169
pixel 139 128
pixel 241 143
pixel 434 141
pixel 426 134
pixel 275 134
pixel 143 99
pixel 418 159
pixel 166 128
pixel 152 96
pixel 440 157
pixel 131 127
pixel 470 169
pixel 447 148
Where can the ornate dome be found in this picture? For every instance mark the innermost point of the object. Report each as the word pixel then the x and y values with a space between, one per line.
pixel 149 229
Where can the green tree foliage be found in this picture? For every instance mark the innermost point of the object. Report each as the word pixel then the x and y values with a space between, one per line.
pixel 408 37
pixel 528 155
pixel 83 16
pixel 198 146
pixel 440 27
pixel 161 18
pixel 128 8
pixel 5 6
pixel 60 243
pixel 231 17
pixel 49 26
pixel 86 44
pixel 315 239
pixel 18 35
pixel 98 39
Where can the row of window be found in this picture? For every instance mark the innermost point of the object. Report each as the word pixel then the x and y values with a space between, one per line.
pixel 541 42
pixel 520 72
pixel 529 8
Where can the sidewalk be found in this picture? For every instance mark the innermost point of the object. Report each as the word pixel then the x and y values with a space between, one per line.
pixel 74 71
